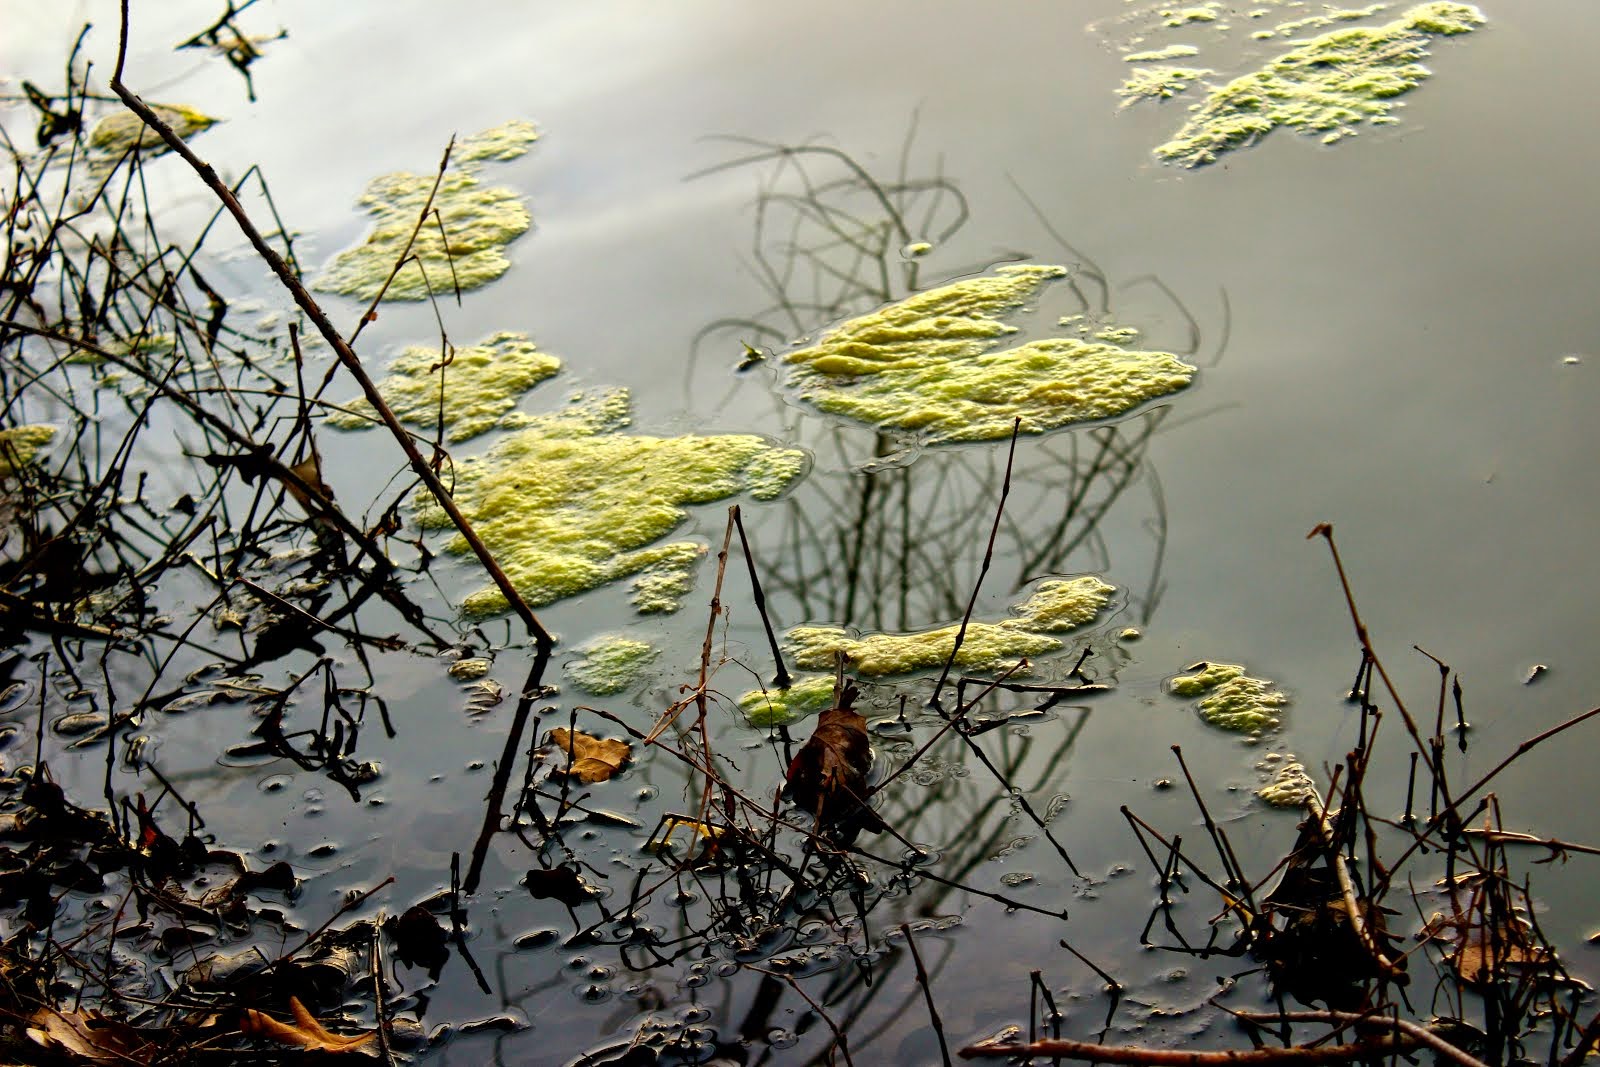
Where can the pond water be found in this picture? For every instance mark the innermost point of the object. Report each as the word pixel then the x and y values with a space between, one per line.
pixel 1395 333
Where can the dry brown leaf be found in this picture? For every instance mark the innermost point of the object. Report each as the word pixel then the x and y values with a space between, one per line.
pixel 305 1032
pixel 85 1035
pixel 589 759
pixel 828 776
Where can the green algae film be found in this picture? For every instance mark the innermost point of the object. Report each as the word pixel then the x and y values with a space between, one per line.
pixel 1055 607
pixel 120 133
pixel 1326 86
pixel 930 365
pixel 1291 787
pixel 808 695
pixel 478 220
pixel 1158 83
pixel 571 502
pixel 611 664
pixel 481 386
pixel 497 144
pixel 1230 699
pixel 20 444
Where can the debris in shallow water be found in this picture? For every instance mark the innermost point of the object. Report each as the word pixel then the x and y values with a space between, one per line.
pixel 1327 86
pixel 571 502
pixel 482 384
pixel 929 365
pixel 610 664
pixel 1230 698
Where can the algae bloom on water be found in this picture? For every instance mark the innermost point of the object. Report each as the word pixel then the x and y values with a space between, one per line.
pixel 480 386
pixel 931 365
pixel 571 502
pixel 1055 607
pixel 610 664
pixel 478 222
pixel 1326 86
pixel 1230 698
pixel 122 132
pixel 19 445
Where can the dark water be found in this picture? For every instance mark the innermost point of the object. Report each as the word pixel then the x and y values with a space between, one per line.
pixel 1398 314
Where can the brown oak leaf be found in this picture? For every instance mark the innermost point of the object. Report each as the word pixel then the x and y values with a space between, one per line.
pixel 588 759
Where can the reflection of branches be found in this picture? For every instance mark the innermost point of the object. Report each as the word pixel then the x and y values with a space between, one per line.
pixel 887 545
pixel 227 40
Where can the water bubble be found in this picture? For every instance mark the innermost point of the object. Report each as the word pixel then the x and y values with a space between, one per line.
pixel 276 783
pixel 780 1038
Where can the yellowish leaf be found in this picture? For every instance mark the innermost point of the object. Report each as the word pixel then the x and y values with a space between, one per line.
pixel 305 1032
pixel 588 759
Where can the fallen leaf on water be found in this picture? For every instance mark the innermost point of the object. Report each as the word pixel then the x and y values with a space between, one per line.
pixel 84 1035
pixel 828 776
pixel 305 1032
pixel 558 883
pixel 589 759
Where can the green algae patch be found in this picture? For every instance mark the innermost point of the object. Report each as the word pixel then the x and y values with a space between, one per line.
pixel 1158 83
pixel 809 695
pixel 1230 698
pixel 571 502
pixel 1326 87
pixel 1291 787
pixel 121 133
pixel 1312 22
pixel 478 220
pixel 480 387
pixel 1172 51
pixel 611 664
pixel 930 365
pixel 467 670
pixel 1183 16
pixel 1055 607
pixel 498 143
pixel 19 445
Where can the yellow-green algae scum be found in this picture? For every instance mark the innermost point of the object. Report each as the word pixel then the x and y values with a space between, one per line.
pixel 611 664
pixel 931 364
pixel 479 222
pixel 1230 698
pixel 20 444
pixel 1327 86
pixel 481 385
pixel 571 502
pixel 1055 607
